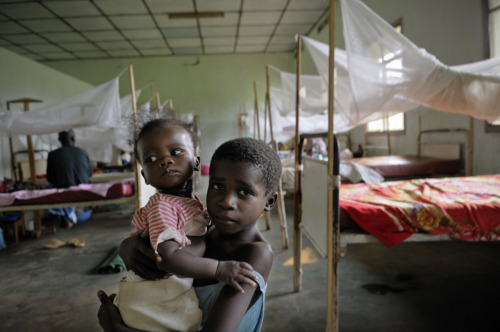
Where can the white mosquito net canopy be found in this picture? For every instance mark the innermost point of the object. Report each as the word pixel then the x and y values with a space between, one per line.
pixel 98 141
pixel 386 72
pixel 313 105
pixel 99 118
pixel 381 71
pixel 97 106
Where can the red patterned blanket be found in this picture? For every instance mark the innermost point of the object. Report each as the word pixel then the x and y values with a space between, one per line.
pixel 468 208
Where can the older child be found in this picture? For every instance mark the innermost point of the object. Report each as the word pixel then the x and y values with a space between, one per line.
pixel 166 149
pixel 244 174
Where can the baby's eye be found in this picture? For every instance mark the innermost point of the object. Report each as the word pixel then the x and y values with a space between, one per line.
pixel 176 152
pixel 151 159
pixel 215 186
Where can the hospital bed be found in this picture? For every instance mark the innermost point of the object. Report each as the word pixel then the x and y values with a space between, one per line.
pixel 432 159
pixel 438 209
pixel 84 195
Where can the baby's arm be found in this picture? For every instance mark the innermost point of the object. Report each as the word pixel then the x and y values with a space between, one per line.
pixel 188 262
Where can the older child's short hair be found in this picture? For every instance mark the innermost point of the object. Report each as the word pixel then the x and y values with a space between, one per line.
pixel 256 153
pixel 165 121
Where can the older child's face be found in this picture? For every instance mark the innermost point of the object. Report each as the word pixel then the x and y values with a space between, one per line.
pixel 167 158
pixel 236 196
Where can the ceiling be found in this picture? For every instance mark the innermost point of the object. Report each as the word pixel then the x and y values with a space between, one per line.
pixel 100 29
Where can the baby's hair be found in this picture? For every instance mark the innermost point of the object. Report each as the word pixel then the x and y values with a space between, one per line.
pixel 149 121
pixel 255 152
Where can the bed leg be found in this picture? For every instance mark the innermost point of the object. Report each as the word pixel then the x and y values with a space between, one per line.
pixel 282 215
pixel 268 223
pixel 38 224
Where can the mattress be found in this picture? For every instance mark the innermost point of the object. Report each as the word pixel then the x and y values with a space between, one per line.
pixel 409 166
pixel 80 193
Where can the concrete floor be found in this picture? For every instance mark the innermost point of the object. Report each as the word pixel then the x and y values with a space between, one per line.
pixel 439 286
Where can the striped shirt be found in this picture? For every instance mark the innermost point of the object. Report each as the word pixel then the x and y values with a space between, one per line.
pixel 171 217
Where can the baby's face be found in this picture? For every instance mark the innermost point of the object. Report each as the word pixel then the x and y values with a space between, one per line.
pixel 167 157
pixel 236 196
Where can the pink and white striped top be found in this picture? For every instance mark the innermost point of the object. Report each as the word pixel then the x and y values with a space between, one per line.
pixel 171 217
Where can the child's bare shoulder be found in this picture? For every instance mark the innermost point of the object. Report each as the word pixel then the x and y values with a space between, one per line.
pixel 258 248
pixel 260 255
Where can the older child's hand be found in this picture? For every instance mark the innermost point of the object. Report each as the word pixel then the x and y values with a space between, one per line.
pixel 108 314
pixel 138 256
pixel 235 274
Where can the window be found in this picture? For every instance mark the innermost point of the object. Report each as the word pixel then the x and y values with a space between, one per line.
pixel 494 27
pixel 395 122
pixel 494 33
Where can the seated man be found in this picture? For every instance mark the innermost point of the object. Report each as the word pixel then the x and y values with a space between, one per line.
pixel 68 166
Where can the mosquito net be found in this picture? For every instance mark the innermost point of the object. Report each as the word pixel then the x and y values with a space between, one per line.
pixel 97 106
pixel 381 71
pixel 387 72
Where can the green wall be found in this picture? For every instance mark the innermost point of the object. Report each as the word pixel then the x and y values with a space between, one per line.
pixel 215 87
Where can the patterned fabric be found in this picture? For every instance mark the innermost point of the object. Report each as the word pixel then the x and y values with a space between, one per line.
pixel 171 217
pixel 468 208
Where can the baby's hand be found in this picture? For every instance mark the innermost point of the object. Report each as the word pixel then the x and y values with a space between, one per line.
pixel 235 274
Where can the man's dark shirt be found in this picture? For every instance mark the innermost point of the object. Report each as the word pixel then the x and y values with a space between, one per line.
pixel 68 166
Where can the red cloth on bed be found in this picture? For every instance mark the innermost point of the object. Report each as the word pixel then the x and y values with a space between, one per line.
pixel 468 208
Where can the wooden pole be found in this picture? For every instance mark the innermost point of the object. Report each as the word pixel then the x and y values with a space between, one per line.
pixel 196 126
pixel 333 229
pixel 297 232
pixel 240 125
pixel 268 105
pixel 365 130
pixel 12 155
pixel 269 109
pixel 158 100
pixel 153 104
pixel 281 203
pixel 256 109
pixel 255 119
pixel 136 129
pixel 31 157
pixel 243 122
pixel 419 131
pixel 388 131
pixel 468 167
pixel 31 151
